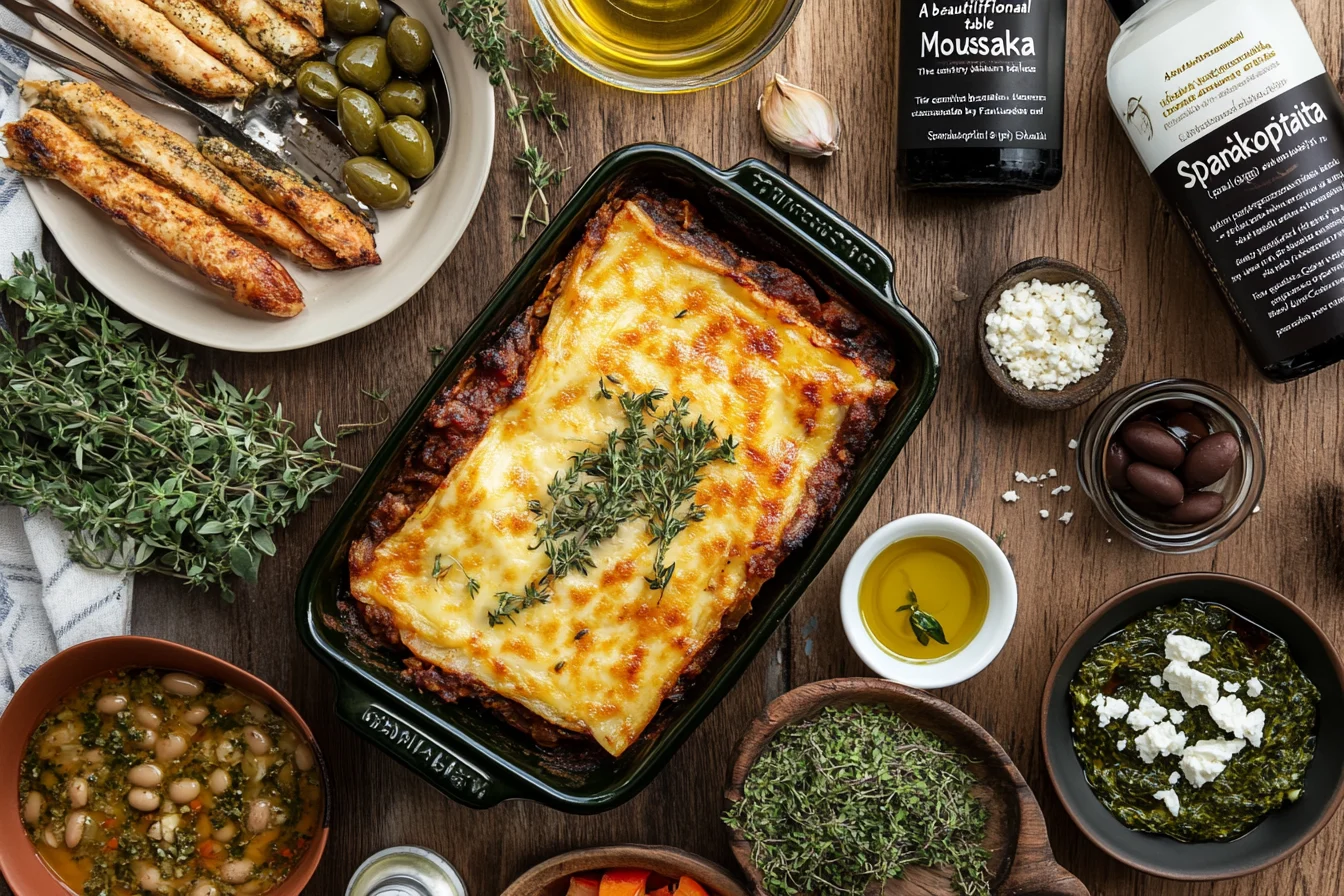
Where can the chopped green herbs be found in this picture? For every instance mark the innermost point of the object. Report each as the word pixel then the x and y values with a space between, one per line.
pixel 647 470
pixel 445 563
pixel 104 431
pixel 854 796
pixel 924 625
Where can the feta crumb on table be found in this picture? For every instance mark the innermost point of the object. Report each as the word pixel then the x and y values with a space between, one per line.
pixel 1048 336
pixel 1045 514
pixel 1073 444
pixel 1066 516
pixel 1010 497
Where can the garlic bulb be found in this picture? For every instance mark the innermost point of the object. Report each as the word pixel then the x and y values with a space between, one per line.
pixel 797 120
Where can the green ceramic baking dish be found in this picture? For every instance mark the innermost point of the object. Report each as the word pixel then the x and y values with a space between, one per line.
pixel 466 751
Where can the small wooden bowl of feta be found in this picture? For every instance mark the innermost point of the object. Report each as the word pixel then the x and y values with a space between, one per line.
pixel 1187 727
pixel 1052 335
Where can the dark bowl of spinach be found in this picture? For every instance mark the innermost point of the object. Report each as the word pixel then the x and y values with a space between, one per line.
pixel 1271 637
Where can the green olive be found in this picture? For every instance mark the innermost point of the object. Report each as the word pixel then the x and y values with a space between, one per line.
pixel 353 16
pixel 376 183
pixel 409 43
pixel 363 63
pixel 407 146
pixel 319 84
pixel 359 116
pixel 402 98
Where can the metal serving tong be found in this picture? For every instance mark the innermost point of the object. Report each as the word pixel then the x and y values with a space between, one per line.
pixel 269 125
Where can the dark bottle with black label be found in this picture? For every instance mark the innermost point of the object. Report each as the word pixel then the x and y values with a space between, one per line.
pixel 1237 121
pixel 981 89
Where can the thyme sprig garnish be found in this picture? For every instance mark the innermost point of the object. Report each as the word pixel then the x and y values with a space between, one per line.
pixel 649 469
pixel 849 799
pixel 923 624
pixel 146 470
pixel 483 24
pixel 441 570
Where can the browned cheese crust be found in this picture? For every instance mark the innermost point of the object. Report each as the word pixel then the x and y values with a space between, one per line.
pixel 457 419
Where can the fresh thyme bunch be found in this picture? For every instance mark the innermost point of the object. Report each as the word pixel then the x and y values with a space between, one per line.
pixel 146 470
pixel 849 799
pixel 484 25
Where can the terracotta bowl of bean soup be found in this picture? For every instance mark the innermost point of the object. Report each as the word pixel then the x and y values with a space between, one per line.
pixel 147 767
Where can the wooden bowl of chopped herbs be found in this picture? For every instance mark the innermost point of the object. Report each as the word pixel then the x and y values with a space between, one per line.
pixel 1052 335
pixel 858 785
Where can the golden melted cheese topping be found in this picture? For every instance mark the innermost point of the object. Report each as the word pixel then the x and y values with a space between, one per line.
pixel 748 363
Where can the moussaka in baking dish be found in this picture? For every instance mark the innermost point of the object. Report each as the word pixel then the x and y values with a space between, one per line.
pixel 595 502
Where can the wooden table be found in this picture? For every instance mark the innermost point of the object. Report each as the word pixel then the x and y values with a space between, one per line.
pixel 1105 216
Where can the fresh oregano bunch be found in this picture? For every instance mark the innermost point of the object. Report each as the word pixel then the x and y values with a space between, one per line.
pixel 148 471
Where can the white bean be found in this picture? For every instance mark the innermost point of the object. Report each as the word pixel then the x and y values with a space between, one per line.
pixel 145 775
pixel 228 752
pixel 184 790
pixel 33 805
pixel 52 835
pixel 111 704
pixel 225 832
pixel 204 888
pixel 74 828
pixel 195 716
pixel 150 880
pixel 171 747
pixel 147 739
pixel 258 816
pixel 143 800
pixel 236 872
pixel 219 781
pixel 94 757
pixel 78 791
pixel 304 757
pixel 148 716
pixel 258 741
pixel 182 684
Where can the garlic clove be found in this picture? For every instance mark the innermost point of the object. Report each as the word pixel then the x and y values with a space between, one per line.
pixel 798 121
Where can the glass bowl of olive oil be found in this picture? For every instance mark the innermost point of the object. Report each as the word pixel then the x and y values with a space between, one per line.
pixel 928 600
pixel 664 46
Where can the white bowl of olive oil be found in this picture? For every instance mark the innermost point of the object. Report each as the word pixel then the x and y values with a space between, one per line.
pixel 928 601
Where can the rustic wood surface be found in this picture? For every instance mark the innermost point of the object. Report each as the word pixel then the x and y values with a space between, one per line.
pixel 1105 216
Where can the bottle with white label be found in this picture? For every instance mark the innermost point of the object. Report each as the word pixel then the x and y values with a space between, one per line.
pixel 1236 119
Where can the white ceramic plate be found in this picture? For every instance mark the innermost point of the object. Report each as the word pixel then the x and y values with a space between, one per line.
pixel 413 242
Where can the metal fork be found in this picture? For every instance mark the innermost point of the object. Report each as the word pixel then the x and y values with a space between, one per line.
pixel 273 129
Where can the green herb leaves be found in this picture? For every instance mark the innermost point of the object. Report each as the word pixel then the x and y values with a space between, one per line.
pixel 922 624
pixel 647 470
pixel 853 797
pixel 149 472
pixel 444 564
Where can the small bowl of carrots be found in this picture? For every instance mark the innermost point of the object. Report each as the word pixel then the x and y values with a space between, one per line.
pixel 626 871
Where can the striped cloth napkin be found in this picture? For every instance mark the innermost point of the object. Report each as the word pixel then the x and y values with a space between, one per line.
pixel 47 601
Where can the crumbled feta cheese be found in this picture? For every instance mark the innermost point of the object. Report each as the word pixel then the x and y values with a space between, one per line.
pixel 1177 716
pixel 1254 688
pixel 1109 708
pixel 1121 744
pixel 1172 801
pixel 1019 476
pixel 1148 713
pixel 1155 680
pixel 1196 688
pixel 1230 715
pixel 1182 647
pixel 1175 776
pixel 1033 479
pixel 1066 516
pixel 1045 514
pixel 1162 738
pixel 1073 444
pixel 1010 497
pixel 1231 687
pixel 1059 490
pixel 1255 509
pixel 1051 473
pixel 1048 336
pixel 1206 760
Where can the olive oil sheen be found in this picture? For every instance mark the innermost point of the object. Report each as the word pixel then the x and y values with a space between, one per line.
pixel 665 39
pixel 923 577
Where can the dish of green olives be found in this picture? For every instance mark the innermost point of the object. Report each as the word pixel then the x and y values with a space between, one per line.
pixel 380 83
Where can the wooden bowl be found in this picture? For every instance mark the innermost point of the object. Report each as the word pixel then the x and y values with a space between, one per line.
pixel 1283 831
pixel 1020 862
pixel 1053 270
pixel 551 877
pixel 60 675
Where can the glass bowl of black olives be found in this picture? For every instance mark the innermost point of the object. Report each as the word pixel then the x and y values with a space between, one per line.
pixel 380 82
pixel 1174 465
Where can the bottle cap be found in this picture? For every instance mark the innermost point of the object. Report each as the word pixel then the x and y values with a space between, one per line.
pixel 1123 9
pixel 406 871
